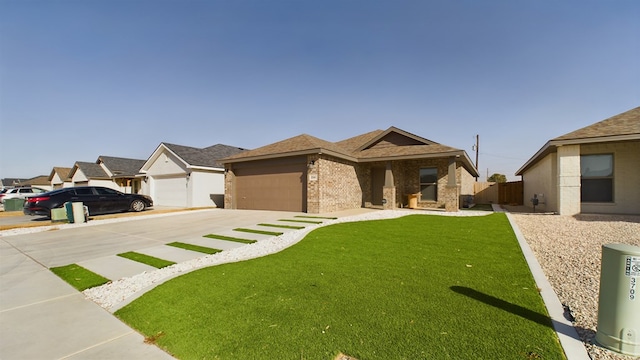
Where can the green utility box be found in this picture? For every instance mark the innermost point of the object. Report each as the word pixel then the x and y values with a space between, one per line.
pixel 13 204
pixel 58 215
pixel 619 303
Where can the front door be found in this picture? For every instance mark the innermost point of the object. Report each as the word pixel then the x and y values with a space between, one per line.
pixel 377 185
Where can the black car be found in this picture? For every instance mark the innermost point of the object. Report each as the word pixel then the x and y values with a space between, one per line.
pixel 99 200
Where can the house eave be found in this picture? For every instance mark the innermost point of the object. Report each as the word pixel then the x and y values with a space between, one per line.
pixel 464 159
pixel 316 151
pixel 552 145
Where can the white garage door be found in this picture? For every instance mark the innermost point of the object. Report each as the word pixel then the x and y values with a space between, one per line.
pixel 170 191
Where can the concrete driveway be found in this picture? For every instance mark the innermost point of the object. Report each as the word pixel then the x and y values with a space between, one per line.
pixel 42 317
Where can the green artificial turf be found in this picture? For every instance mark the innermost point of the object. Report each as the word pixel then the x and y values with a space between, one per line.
pixel 202 249
pixel 302 221
pixel 315 217
pixel 417 287
pixel 261 232
pixel 146 259
pixel 79 277
pixel 283 226
pixel 229 238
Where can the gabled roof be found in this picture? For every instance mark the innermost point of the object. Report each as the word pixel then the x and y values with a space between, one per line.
pixel 195 157
pixel 621 127
pixel 121 167
pixel 38 180
pixel 298 145
pixel 90 170
pixel 12 181
pixel 377 145
pixel 63 173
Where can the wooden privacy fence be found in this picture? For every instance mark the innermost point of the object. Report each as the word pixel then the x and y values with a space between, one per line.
pixel 499 193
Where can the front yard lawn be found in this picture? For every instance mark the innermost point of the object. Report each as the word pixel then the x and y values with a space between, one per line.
pixel 417 287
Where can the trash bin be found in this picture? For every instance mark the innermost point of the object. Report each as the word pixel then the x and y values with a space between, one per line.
pixel 619 301
pixel 75 212
pixel 13 204
pixel 413 201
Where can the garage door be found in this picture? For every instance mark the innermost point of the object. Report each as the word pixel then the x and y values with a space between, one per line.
pixel 170 191
pixel 272 185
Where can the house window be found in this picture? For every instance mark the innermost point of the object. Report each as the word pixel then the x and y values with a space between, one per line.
pixel 596 178
pixel 429 184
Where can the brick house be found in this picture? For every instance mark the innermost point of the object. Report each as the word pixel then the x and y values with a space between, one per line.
pixel 591 170
pixel 381 169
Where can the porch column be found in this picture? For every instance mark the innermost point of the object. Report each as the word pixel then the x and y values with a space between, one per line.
pixel 229 188
pixel 451 196
pixel 568 179
pixel 389 190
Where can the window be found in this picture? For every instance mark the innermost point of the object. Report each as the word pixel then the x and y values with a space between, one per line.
pixel 429 184
pixel 596 178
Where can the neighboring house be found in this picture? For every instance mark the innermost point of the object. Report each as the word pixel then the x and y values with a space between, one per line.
pixel 122 171
pixel 12 182
pixel 41 182
pixel 59 178
pixel 376 169
pixel 90 174
pixel 591 170
pixel 176 175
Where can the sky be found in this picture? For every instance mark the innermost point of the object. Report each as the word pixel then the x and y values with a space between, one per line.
pixel 81 79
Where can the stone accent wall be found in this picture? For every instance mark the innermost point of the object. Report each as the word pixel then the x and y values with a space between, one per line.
pixel 229 179
pixel 337 186
pixel 451 198
pixel 569 180
pixel 389 194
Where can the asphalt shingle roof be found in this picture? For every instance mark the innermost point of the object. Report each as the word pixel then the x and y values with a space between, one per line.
pixel 207 157
pixel 121 166
pixel 63 172
pixel 627 123
pixel 91 170
pixel 349 147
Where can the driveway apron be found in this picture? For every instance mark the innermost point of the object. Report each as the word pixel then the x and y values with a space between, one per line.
pixel 42 317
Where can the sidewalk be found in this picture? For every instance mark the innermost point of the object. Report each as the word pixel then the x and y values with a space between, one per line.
pixel 42 317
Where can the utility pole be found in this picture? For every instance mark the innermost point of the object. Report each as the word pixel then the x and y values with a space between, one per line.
pixel 476 148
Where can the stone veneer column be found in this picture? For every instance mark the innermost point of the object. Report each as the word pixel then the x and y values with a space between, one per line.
pixel 389 196
pixel 451 202
pixel 389 190
pixel 569 179
pixel 313 185
pixel 229 179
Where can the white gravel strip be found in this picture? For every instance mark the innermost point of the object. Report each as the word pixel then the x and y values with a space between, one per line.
pixel 114 295
pixel 569 249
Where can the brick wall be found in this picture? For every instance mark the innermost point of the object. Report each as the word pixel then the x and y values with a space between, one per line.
pixel 337 186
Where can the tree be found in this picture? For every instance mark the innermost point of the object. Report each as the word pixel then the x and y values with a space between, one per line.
pixel 499 178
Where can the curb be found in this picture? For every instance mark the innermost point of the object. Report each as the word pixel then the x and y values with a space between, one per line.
pixel 570 341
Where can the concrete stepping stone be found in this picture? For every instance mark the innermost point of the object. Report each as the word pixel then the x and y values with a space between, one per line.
pixel 171 253
pixel 114 267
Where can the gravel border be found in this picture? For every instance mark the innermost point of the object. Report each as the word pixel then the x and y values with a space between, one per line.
pixel 569 249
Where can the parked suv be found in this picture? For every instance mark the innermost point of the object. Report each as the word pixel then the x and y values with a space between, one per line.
pixel 21 193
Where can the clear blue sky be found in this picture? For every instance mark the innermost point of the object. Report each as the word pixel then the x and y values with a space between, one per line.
pixel 80 79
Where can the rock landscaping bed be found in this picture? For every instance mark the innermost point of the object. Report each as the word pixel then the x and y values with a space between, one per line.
pixel 569 250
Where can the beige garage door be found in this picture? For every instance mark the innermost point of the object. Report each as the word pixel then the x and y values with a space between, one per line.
pixel 272 185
